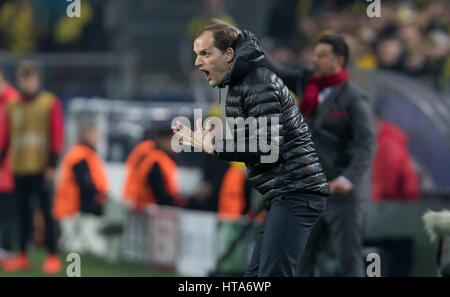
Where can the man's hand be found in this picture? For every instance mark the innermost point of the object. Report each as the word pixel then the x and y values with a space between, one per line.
pixel 200 139
pixel 340 186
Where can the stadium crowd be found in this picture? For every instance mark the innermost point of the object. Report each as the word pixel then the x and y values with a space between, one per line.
pixel 411 37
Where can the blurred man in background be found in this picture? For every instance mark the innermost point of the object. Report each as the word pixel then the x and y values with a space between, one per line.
pixel 235 193
pixel 18 29
pixel 7 95
pixel 81 193
pixel 225 189
pixel 32 132
pixel 154 174
pixel 341 124
pixel 393 174
pixel 134 160
pixel 207 193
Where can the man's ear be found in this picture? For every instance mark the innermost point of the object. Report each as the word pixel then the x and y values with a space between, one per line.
pixel 230 54
pixel 341 61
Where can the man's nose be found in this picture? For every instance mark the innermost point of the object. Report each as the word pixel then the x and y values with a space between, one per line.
pixel 198 62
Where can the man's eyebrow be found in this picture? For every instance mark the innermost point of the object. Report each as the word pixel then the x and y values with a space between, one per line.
pixel 202 52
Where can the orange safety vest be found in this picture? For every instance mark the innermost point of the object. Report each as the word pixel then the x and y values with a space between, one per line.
pixel 145 195
pixel 67 196
pixel 232 193
pixel 132 164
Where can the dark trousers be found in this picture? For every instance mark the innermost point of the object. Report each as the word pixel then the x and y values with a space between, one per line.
pixel 7 217
pixel 28 187
pixel 283 235
pixel 339 229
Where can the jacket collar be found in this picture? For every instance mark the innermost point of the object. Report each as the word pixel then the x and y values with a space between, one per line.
pixel 248 56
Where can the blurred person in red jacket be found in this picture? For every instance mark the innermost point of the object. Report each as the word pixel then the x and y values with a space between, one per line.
pixel 7 94
pixel 393 174
pixel 32 134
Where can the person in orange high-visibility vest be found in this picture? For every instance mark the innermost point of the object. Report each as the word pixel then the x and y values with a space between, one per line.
pixel 132 163
pixel 81 194
pixel 155 180
pixel 235 193
pixel 82 181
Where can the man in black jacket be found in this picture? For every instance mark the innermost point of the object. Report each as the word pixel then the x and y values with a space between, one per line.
pixel 340 119
pixel 293 186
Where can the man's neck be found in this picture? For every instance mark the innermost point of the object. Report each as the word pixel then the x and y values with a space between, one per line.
pixel 85 143
pixel 29 97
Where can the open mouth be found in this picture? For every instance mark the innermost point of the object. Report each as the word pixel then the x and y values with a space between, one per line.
pixel 208 77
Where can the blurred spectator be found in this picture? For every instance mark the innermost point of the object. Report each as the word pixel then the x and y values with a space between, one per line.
pixel 411 36
pixel 415 62
pixel 360 53
pixel 17 27
pixel 81 193
pixel 7 95
pixel 281 23
pixel 33 132
pixel 390 54
pixel 393 174
pixel 28 26
pixel 134 160
pixel 207 194
pixel 46 14
pixel 213 9
pixel 82 183
pixel 68 32
pixel 225 189
pixel 155 180
pixel 235 193
pixel 308 30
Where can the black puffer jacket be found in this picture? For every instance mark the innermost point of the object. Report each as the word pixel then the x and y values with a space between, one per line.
pixel 255 91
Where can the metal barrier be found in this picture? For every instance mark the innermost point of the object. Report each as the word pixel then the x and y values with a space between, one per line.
pixel 187 242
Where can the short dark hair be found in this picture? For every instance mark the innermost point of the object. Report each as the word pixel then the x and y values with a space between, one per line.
pixel 338 44
pixel 225 36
